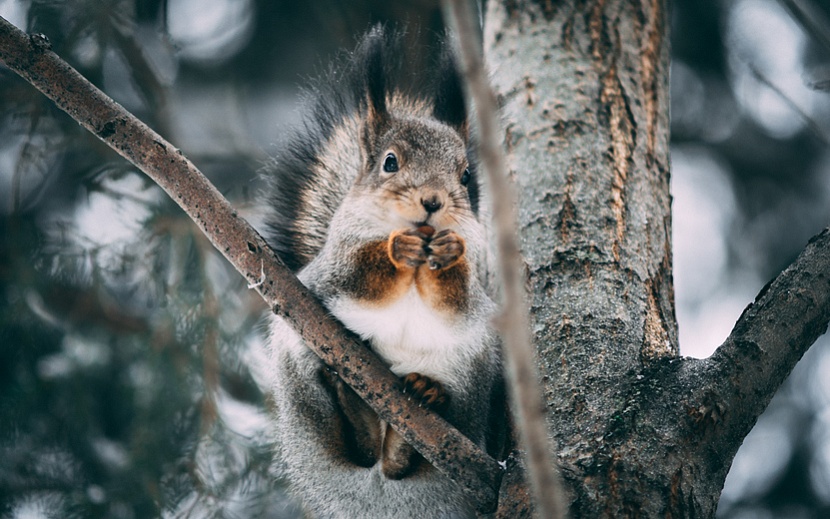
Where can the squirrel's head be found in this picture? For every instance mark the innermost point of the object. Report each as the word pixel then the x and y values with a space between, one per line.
pixel 416 163
pixel 418 172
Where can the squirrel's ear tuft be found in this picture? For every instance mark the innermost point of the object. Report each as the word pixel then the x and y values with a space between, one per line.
pixel 449 94
pixel 372 57
pixel 372 67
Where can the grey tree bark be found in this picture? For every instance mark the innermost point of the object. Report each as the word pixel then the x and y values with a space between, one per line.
pixel 640 431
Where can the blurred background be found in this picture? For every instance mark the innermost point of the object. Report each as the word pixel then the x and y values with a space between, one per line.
pixel 131 354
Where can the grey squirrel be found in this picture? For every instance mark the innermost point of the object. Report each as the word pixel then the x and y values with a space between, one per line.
pixel 375 203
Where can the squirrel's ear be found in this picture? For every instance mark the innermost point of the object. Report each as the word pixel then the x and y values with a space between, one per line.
pixel 372 52
pixel 449 94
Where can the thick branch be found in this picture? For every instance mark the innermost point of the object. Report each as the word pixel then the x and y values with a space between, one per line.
pixel 523 378
pixel 772 334
pixel 441 444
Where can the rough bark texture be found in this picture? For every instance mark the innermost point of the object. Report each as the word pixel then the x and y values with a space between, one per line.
pixel 585 93
pixel 640 431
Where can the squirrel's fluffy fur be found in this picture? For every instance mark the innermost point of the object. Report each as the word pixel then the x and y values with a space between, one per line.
pixel 375 202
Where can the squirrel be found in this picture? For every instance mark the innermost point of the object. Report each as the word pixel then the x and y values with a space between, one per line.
pixel 375 203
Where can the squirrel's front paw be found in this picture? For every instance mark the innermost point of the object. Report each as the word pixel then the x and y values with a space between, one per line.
pixel 408 247
pixel 429 393
pixel 445 249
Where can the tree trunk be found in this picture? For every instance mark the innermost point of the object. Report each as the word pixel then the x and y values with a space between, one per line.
pixel 585 93
pixel 639 431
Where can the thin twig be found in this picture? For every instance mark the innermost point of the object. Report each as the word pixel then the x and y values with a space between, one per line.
pixel 811 18
pixel 441 444
pixel 526 395
pixel 811 123
pixel 816 24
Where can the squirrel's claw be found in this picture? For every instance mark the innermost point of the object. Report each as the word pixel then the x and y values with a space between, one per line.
pixel 408 248
pixel 445 249
pixel 429 393
pixel 414 247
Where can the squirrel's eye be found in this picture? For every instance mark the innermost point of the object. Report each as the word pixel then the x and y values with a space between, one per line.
pixel 390 163
pixel 465 177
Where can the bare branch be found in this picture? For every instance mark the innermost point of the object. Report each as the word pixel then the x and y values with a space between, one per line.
pixel 441 444
pixel 814 22
pixel 811 123
pixel 771 335
pixel 526 395
pixel 811 18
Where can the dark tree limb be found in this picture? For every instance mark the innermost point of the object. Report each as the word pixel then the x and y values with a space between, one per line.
pixel 770 337
pixel 441 444
pixel 522 372
pixel 702 409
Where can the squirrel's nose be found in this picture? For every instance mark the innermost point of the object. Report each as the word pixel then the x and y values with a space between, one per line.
pixel 431 204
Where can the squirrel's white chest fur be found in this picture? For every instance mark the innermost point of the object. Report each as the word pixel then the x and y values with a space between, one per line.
pixel 412 337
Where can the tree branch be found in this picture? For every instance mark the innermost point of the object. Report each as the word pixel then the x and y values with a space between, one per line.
pixel 441 444
pixel 811 123
pixel 523 378
pixel 770 337
pixel 811 18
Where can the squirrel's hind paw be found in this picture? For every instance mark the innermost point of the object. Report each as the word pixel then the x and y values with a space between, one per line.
pixel 429 393
pixel 399 458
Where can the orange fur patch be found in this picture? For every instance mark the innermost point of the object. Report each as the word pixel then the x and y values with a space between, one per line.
pixel 379 280
pixel 445 289
pixel 375 279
